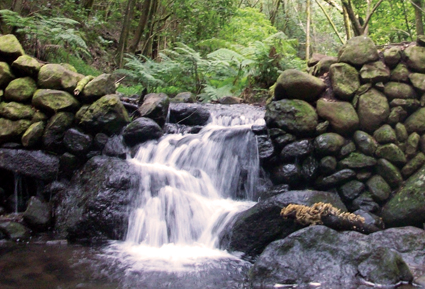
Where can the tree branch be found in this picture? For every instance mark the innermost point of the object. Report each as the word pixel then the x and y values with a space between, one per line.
pixel 371 13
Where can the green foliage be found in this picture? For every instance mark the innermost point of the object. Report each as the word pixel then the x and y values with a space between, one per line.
pixel 61 56
pixel 41 31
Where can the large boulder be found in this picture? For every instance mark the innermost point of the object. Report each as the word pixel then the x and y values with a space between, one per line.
pixel 77 142
pixel 358 51
pixel 55 130
pixel 399 90
pixel 35 164
pixel 6 74
pixel 107 114
pixel 10 48
pixel 12 130
pixel 26 65
pixel 294 84
pixel 340 114
pixel 37 214
pixel 406 207
pixel 20 89
pixel 141 130
pixel 155 106
pixel 339 259
pixel 56 76
pixel 373 109
pixel 292 115
pixel 415 58
pixel 52 101
pixel 189 114
pixel 93 208
pixel 255 228
pixel 101 85
pixel 16 110
pixel 375 72
pixel 345 80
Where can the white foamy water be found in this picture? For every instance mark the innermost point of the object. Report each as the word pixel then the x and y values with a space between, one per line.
pixel 191 186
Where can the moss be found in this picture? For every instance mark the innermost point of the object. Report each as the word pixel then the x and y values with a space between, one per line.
pixel 20 89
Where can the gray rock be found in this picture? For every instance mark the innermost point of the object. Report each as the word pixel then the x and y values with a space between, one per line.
pixel 141 130
pixel 365 143
pixel 400 73
pixel 189 114
pixel 286 174
pixel 392 153
pixel 155 106
pixel 340 114
pixel 15 231
pixel 328 144
pixel 55 130
pixel 37 214
pixel 365 202
pixel 357 161
pixel 415 58
pixel 351 190
pixel 397 114
pixel 373 110
pixel 358 51
pixel 336 179
pixel 399 90
pixel 77 142
pixel 378 188
pixel 297 149
pixel 375 72
pixel 345 80
pixel 184 97
pixel 392 56
pixel 389 172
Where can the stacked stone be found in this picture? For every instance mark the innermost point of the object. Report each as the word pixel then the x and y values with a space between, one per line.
pixel 362 135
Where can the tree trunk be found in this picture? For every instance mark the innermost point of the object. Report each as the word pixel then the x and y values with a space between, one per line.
pixel 347 24
pixel 122 44
pixel 330 21
pixel 407 21
pixel 418 5
pixel 142 25
pixel 273 13
pixel 307 41
pixel 17 6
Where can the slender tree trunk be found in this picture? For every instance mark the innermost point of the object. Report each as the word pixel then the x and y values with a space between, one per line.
pixel 142 25
pixel 347 24
pixel 17 6
pixel 368 10
pixel 407 21
pixel 122 44
pixel 307 42
pixel 273 14
pixel 418 5
pixel 330 21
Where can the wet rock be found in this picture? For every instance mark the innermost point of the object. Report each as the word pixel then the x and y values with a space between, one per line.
pixel 256 227
pixel 189 114
pixel 265 147
pixel 373 109
pixel 328 165
pixel 141 130
pixel 101 85
pixel 280 138
pixel 354 257
pixel 351 190
pixel 57 76
pixel 328 144
pixel 389 172
pixel 345 80
pixel 286 174
pixel 20 89
pixel 413 165
pixel 37 214
pixel 115 147
pixel 52 101
pixel 15 231
pixel 68 164
pixel 55 130
pixel 77 142
pixel 33 135
pixel 357 161
pixel 273 191
pixel 309 168
pixel 365 202
pixel 372 222
pixel 258 129
pixel 295 150
pixel 292 115
pixel 375 72
pixel 107 115
pixel 184 97
pixel 35 164
pixel 155 106
pixel 336 179
pixel 392 153
pixel 340 114
pixel 10 48
pixel 294 84
pixel 100 140
pixel 385 134
pixel 358 51
pixel 93 208
pixel 378 188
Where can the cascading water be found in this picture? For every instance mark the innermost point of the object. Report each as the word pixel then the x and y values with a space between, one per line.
pixel 190 187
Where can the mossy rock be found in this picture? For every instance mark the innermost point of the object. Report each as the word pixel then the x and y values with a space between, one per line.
pixel 365 142
pixel 294 84
pixel 373 110
pixel 20 89
pixel 56 76
pixel 184 97
pixel 340 114
pixel 385 134
pixel 416 121
pixel 52 101
pixel 33 134
pixel 12 130
pixel 328 165
pixel 39 116
pixel 55 130
pixel 413 165
pixel 392 153
pixel 378 188
pixel 375 72
pixel 415 58
pixel 407 104
pixel 399 90
pixel 400 73
pixel 357 161
pixel 389 172
pixel 397 115
pixel 401 132
pixel 418 81
pixel 10 48
pixel 412 144
pixel 345 80
pixel 351 190
pixel 392 56
pixel 155 106
pixel 292 115
pixel 26 65
pixel 358 51
pixel 328 143
pixel 101 85
pixel 15 110
pixel 6 74
pixel 107 114
pixel 407 208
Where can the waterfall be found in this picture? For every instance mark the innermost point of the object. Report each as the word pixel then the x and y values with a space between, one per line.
pixel 191 186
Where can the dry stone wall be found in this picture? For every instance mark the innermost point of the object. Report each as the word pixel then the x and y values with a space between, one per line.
pixel 358 130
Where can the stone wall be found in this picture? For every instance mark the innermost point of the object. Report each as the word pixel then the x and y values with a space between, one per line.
pixel 357 130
